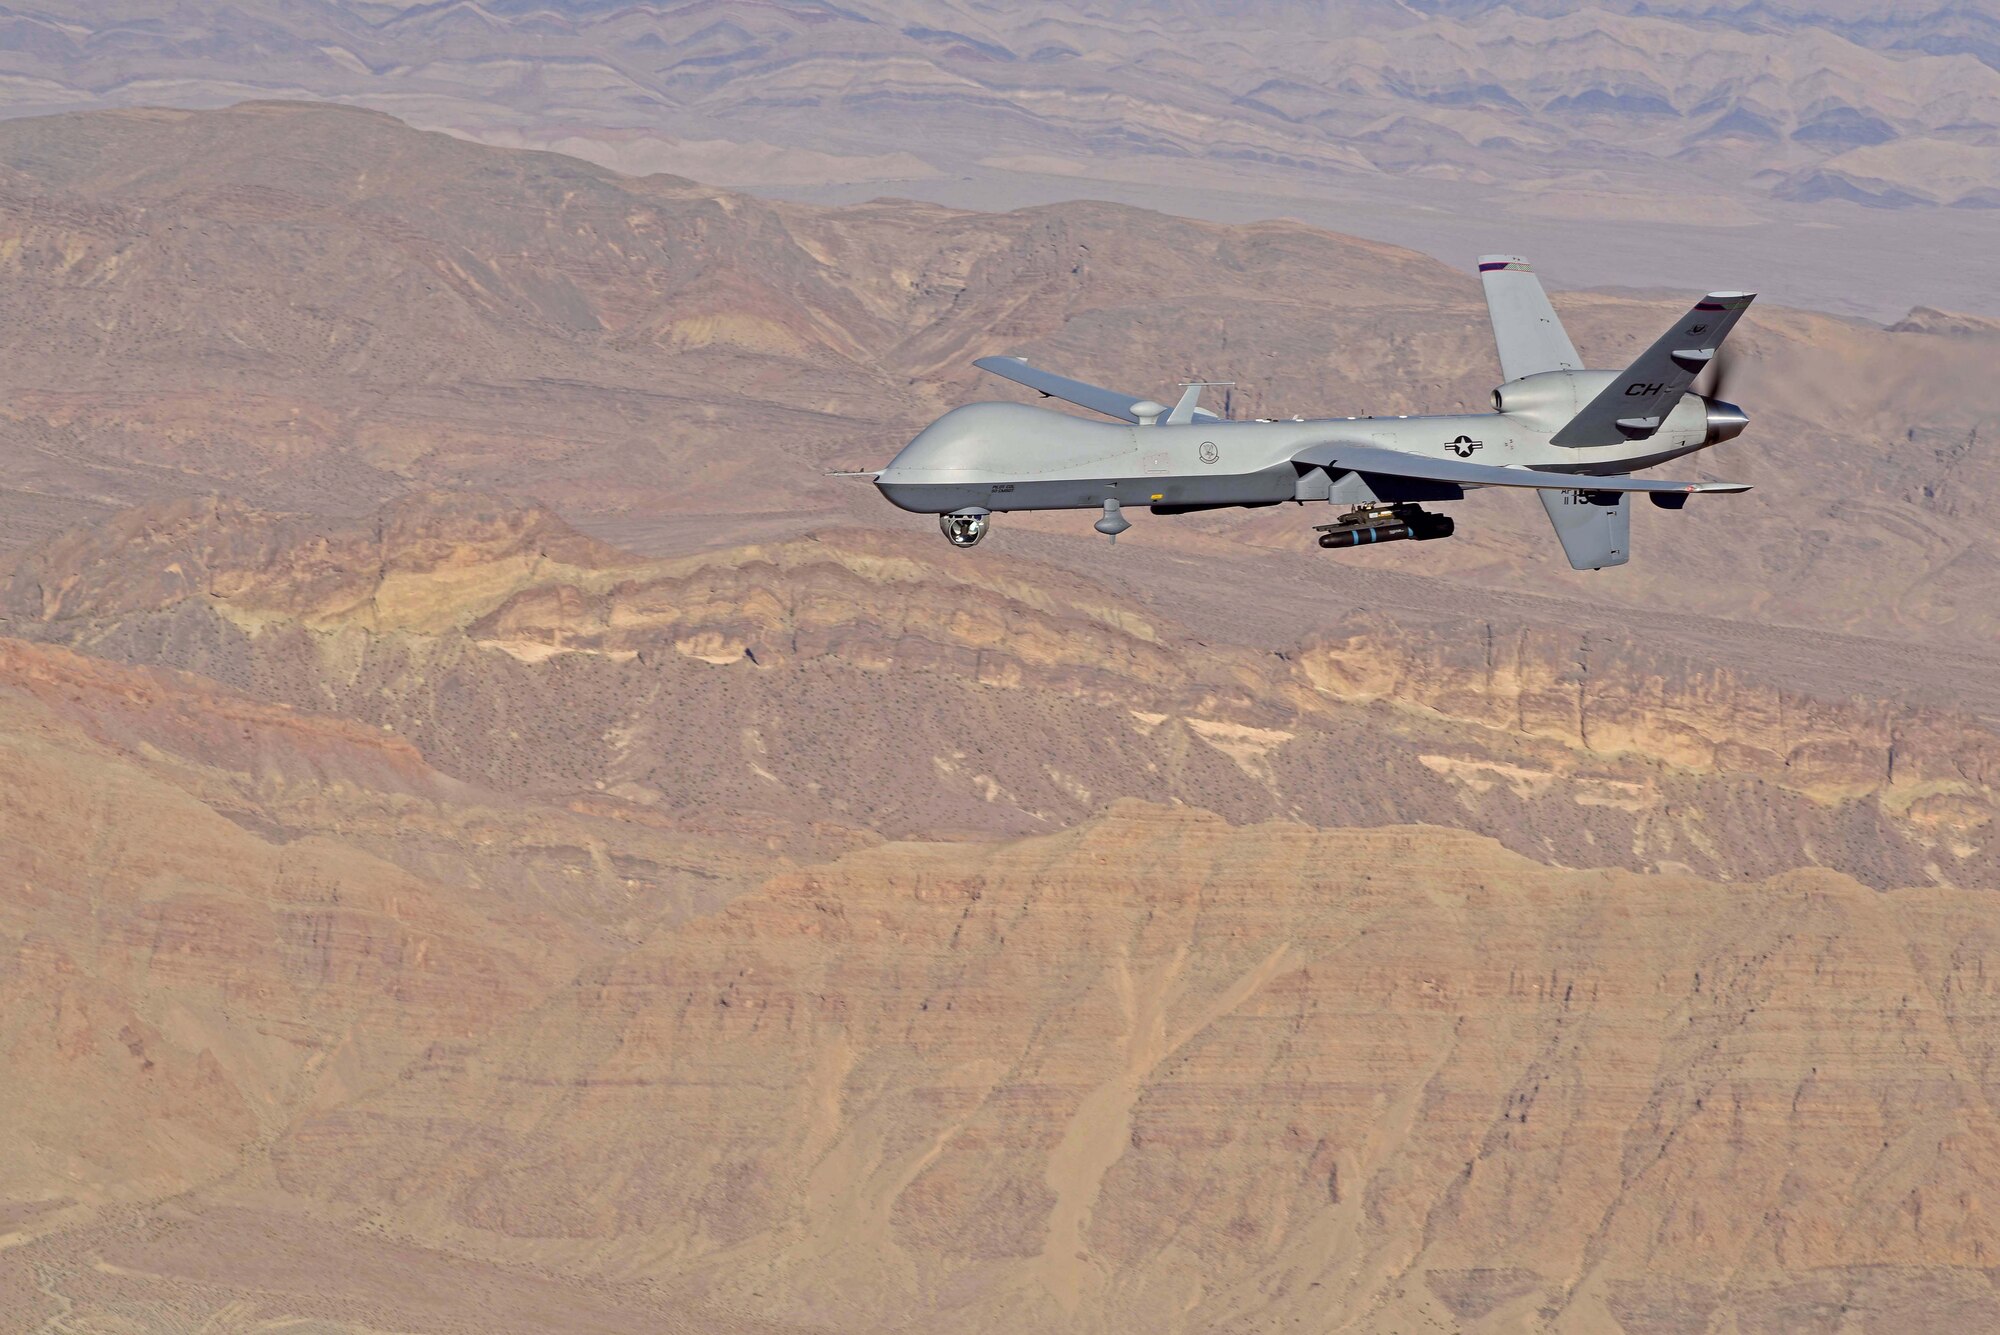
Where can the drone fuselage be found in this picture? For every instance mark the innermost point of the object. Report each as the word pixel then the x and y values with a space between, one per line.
pixel 1573 436
pixel 1010 456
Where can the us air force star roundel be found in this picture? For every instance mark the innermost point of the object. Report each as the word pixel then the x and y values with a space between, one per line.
pixel 1464 446
pixel 1209 454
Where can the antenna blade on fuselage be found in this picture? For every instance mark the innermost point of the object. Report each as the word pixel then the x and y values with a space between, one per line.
pixel 1185 410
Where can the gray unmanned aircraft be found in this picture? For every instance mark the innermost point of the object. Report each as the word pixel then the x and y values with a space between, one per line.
pixel 1574 436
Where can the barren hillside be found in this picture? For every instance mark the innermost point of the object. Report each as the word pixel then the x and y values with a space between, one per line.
pixel 885 683
pixel 1155 1071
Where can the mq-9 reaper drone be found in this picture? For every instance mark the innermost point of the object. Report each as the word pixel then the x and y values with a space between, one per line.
pixel 1574 436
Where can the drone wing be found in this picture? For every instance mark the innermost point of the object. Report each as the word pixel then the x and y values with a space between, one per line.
pixel 1395 463
pixel 1125 407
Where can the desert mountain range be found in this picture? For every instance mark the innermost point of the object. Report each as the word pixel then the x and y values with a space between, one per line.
pixel 491 838
pixel 1799 98
pixel 1848 152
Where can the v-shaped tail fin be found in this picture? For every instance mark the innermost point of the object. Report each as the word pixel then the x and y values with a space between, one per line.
pixel 1525 328
pixel 1594 527
pixel 1633 406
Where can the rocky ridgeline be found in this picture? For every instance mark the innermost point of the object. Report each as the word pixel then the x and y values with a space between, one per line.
pixel 855 680
pixel 381 572
pixel 1515 97
pixel 1613 697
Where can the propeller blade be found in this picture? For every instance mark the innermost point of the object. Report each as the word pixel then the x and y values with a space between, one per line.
pixel 1726 421
pixel 1718 370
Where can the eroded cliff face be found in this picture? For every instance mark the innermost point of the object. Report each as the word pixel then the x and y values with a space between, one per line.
pixel 857 681
pixel 1161 1072
pixel 1615 700
pixel 413 565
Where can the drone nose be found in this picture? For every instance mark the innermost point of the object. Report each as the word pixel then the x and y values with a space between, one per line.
pixel 1725 421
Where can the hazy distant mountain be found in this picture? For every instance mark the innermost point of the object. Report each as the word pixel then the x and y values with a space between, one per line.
pixel 1689 99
